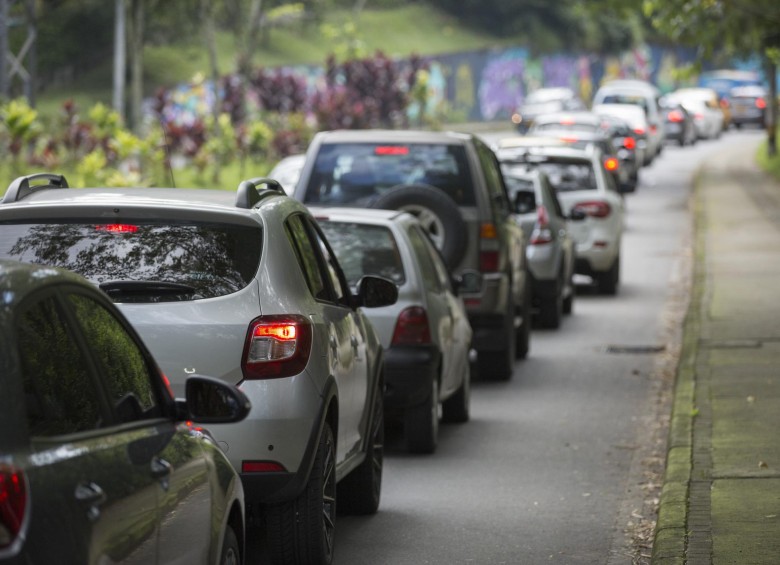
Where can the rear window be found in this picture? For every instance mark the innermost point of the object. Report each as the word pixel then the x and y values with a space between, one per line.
pixel 364 250
pixel 143 261
pixel 356 173
pixel 563 176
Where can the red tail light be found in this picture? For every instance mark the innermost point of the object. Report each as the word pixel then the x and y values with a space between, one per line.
pixel 117 228
pixel 698 116
pixel 412 327
pixel 13 503
pixel 541 234
pixel 611 164
pixel 488 248
pixel 639 131
pixel 629 143
pixel 595 208
pixel 653 129
pixel 276 347
pixel 760 103
pixel 676 116
pixel 262 467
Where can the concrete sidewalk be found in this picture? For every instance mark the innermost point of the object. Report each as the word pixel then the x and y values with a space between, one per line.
pixel 721 496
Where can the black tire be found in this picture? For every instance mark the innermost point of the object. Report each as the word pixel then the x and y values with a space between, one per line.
pixel 360 492
pixel 421 423
pixel 457 408
pixel 499 365
pixel 523 333
pixel 231 550
pixel 568 299
pixel 608 281
pixel 438 214
pixel 551 307
pixel 302 531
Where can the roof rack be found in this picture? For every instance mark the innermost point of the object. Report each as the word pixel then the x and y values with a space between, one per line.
pixel 249 194
pixel 22 187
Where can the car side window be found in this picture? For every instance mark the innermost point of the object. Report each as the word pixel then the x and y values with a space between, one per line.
pixel 331 265
pixel 307 258
pixel 442 273
pixel 127 376
pixel 494 179
pixel 553 197
pixel 60 396
pixel 423 255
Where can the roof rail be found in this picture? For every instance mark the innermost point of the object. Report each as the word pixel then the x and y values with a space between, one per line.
pixel 249 194
pixel 21 186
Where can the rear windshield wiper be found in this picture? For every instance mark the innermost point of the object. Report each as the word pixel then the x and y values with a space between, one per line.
pixel 148 291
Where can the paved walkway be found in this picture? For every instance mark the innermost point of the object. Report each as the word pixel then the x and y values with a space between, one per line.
pixel 721 497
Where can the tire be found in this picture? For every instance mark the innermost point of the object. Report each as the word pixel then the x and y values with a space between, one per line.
pixel 499 365
pixel 421 423
pixel 360 492
pixel 609 280
pixel 523 333
pixel 438 214
pixel 231 551
pixel 457 408
pixel 568 300
pixel 302 531
pixel 551 307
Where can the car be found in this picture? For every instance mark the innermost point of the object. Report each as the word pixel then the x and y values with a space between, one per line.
pixel 426 335
pixel 544 101
pixel 287 171
pixel 583 128
pixel 644 95
pixel 550 251
pixel 241 285
pixel 98 462
pixel 680 125
pixel 583 186
pixel 705 106
pixel 636 119
pixel 748 106
pixel 453 183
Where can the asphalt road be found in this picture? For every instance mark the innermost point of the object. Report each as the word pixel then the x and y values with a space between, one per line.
pixel 551 467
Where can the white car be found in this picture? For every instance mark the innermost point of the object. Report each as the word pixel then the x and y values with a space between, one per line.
pixel 636 119
pixel 287 171
pixel 703 103
pixel 426 335
pixel 646 96
pixel 583 186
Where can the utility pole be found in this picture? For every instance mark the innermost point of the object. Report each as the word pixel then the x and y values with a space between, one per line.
pixel 119 57
pixel 13 64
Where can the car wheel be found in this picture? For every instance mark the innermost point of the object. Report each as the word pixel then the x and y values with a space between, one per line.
pixel 457 408
pixel 523 333
pixel 360 491
pixel 421 423
pixel 551 307
pixel 609 280
pixel 302 530
pixel 568 299
pixel 231 552
pixel 438 214
pixel 499 365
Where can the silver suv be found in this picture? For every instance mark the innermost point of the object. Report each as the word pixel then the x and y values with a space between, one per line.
pixel 453 183
pixel 242 286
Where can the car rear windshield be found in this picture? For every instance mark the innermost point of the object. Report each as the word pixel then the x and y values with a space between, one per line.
pixel 564 176
pixel 143 261
pixel 364 250
pixel 356 173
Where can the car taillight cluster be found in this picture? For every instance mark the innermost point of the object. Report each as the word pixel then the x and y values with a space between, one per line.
pixel 629 143
pixel 13 503
pixel 541 233
pixel 594 208
pixel 488 248
pixel 412 327
pixel 276 346
pixel 760 103
pixel 676 116
pixel 611 164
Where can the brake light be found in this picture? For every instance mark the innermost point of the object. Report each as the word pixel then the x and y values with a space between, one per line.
pixel 760 103
pixel 653 128
pixel 594 208
pixel 567 121
pixel 542 233
pixel 639 131
pixel 276 346
pixel 569 139
pixel 488 248
pixel 117 228
pixel 412 327
pixel 629 143
pixel 676 116
pixel 13 503
pixel 391 150
pixel 611 164
pixel 262 467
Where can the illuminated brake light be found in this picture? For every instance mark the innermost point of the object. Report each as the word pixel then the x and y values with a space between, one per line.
pixel 412 327
pixel 760 103
pixel 542 233
pixel 639 131
pixel 276 346
pixel 629 143
pixel 262 467
pixel 594 208
pixel 611 164
pixel 676 116
pixel 117 228
pixel 13 503
pixel 391 150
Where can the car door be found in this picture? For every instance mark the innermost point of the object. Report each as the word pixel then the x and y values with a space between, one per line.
pixel 168 451
pixel 87 492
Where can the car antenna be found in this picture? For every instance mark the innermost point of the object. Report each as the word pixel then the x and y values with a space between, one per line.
pixel 167 152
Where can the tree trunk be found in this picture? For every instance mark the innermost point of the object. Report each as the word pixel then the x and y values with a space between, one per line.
pixel 771 76
pixel 137 64
pixel 244 63
pixel 207 16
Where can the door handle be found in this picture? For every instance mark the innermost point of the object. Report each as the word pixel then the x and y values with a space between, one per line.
pixel 91 496
pixel 160 468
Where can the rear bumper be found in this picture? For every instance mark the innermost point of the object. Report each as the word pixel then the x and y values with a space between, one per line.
pixel 409 372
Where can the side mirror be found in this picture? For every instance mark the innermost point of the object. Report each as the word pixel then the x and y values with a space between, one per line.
pixel 212 401
pixel 577 215
pixel 374 292
pixel 469 282
pixel 524 202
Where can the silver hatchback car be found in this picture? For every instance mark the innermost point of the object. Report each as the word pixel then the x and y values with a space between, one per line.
pixel 242 286
pixel 426 334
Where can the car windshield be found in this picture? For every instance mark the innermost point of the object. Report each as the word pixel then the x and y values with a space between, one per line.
pixel 364 250
pixel 181 261
pixel 356 173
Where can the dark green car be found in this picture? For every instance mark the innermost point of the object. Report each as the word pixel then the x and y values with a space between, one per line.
pixel 98 462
